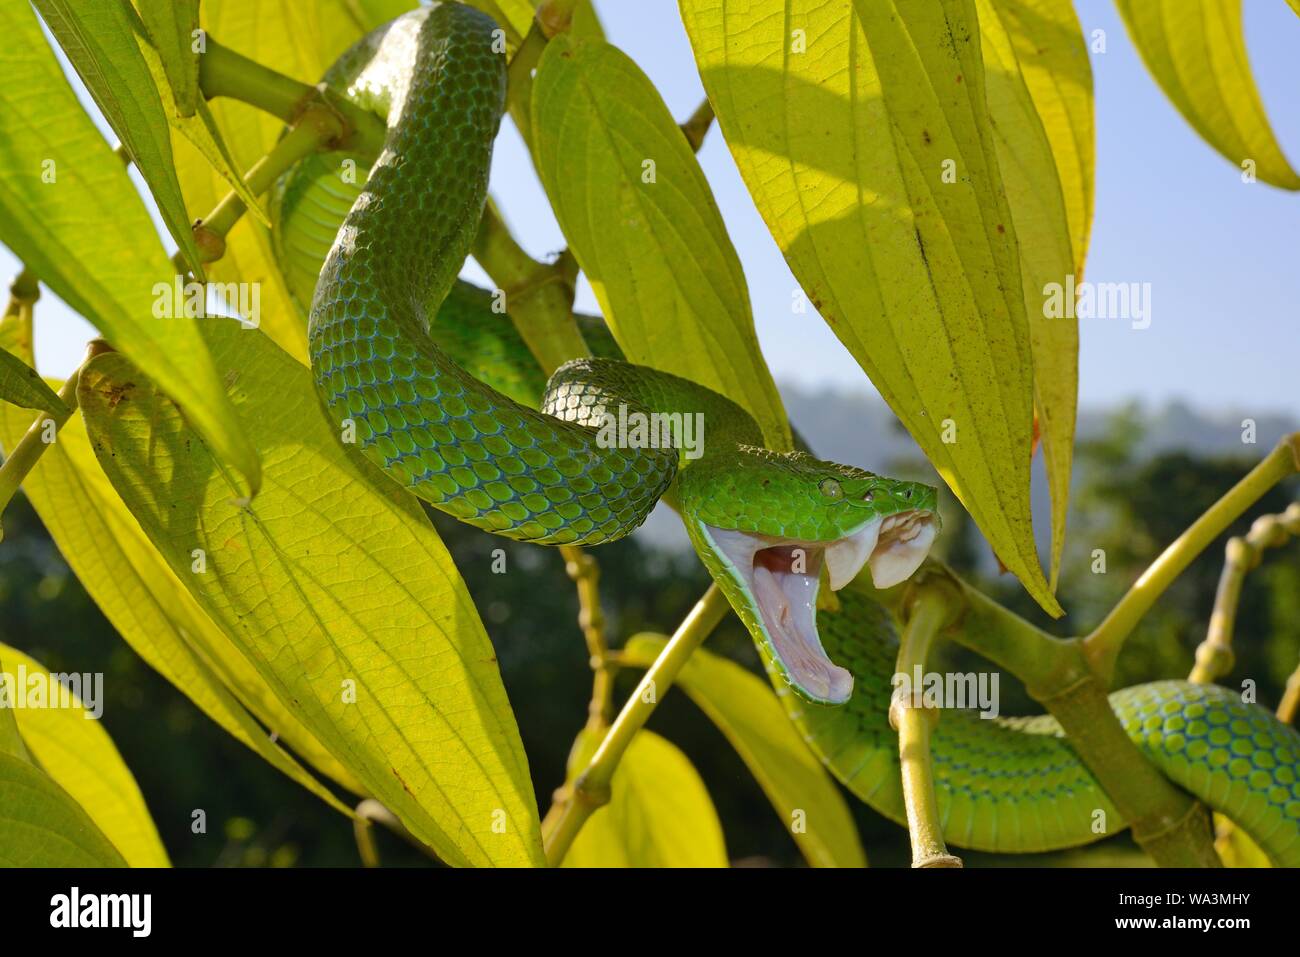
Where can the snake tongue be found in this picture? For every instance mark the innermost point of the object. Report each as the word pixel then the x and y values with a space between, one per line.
pixel 846 556
pixel 782 576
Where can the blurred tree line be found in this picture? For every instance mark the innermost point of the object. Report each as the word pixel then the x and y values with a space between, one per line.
pixel 1126 503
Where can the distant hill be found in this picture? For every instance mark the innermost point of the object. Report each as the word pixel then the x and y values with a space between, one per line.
pixel 859 429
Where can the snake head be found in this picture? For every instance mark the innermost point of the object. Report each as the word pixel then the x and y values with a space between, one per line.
pixel 768 529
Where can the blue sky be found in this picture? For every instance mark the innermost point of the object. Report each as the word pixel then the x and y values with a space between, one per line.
pixel 1222 257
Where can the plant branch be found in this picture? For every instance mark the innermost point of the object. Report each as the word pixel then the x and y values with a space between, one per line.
pixel 1214 657
pixel 1102 647
pixel 370 812
pixel 539 296
pixel 315 129
pixel 585 572
pixel 590 788
pixel 695 128
pixel 932 608
pixel 223 72
pixel 1168 824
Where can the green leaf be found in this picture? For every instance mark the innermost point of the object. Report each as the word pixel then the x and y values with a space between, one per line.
pixel 68 210
pixel 840 118
pixel 150 608
pixel 659 813
pixel 1026 121
pixel 200 130
pixel 21 385
pixel 100 43
pixel 334 585
pixel 171 25
pixel 41 826
pixel 11 742
pixel 516 17
pixel 747 712
pixel 73 748
pixel 641 220
pixel 1197 53
pixel 301 40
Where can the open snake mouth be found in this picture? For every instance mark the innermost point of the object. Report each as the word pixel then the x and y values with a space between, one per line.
pixel 782 575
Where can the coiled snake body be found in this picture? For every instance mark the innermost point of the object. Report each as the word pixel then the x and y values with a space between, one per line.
pixel 444 398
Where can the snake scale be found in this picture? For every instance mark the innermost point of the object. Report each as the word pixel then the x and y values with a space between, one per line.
pixel 447 401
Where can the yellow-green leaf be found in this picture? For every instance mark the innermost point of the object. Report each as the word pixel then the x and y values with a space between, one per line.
pixel 516 17
pixel 69 212
pixel 21 386
pixel 100 42
pixel 747 712
pixel 41 826
pixel 863 134
pixel 1053 58
pixel 171 25
pixel 200 130
pixel 72 747
pixel 1295 5
pixel 1197 53
pixel 1035 194
pixel 11 742
pixel 659 813
pixel 150 608
pixel 640 218
pixel 301 40
pixel 336 588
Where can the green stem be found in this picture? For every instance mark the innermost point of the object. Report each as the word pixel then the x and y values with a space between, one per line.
pixel 538 295
pixel 1214 657
pixel 1169 825
pixel 223 72
pixel 585 573
pixel 590 788
pixel 931 610
pixel 1103 645
pixel 314 129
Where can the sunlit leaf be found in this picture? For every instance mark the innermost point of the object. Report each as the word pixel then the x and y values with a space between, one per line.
pixel 68 210
pixel 72 747
pixel 301 40
pixel 659 813
pixel 171 25
pixel 516 17
pixel 747 712
pixel 11 742
pixel 336 588
pixel 41 826
pixel 863 134
pixel 1024 137
pixel 20 385
pixel 200 130
pixel 1197 53
pixel 640 218
pixel 150 608
pixel 100 43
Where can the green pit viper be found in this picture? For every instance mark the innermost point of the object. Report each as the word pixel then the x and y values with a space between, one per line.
pixel 447 401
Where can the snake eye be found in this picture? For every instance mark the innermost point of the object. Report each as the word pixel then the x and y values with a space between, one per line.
pixel 831 488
